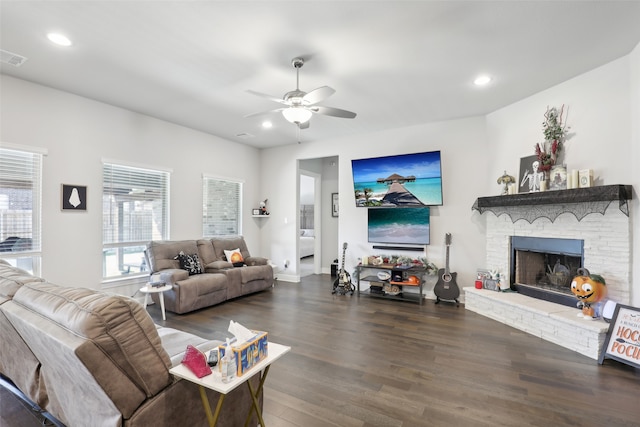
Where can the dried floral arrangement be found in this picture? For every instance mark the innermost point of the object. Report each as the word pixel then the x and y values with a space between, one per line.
pixel 555 133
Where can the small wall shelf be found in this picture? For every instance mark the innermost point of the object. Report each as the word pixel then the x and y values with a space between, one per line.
pixel 550 204
pixel 260 216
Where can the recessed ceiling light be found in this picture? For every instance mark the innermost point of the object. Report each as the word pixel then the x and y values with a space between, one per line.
pixel 482 80
pixel 59 39
pixel 267 124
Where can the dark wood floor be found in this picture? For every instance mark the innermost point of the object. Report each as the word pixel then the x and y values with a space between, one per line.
pixel 360 362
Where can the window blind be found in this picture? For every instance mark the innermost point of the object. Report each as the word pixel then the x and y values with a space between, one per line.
pixel 20 208
pixel 221 207
pixel 135 204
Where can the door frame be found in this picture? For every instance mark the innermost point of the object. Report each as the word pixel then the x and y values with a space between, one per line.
pixel 317 221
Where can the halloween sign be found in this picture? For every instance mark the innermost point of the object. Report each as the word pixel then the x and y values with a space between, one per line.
pixel 623 339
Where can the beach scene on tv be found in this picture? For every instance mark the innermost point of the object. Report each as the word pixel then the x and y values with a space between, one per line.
pixel 399 226
pixel 404 180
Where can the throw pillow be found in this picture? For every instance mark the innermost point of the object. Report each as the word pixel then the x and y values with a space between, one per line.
pixel 191 263
pixel 234 257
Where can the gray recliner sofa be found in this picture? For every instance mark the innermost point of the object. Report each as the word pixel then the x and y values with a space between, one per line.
pixel 220 280
pixel 89 358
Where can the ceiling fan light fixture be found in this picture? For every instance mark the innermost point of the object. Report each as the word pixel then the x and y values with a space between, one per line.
pixel 297 114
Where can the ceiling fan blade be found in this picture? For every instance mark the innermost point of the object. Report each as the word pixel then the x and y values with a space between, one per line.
pixel 335 112
pixel 318 95
pixel 272 98
pixel 264 113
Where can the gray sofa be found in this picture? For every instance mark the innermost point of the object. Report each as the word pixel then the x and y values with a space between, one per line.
pixel 88 358
pixel 220 280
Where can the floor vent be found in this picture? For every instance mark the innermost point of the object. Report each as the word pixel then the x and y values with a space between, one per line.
pixel 14 59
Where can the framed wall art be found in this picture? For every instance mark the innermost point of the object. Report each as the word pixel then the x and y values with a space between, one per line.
pixel 530 175
pixel 334 204
pixel 74 198
pixel 558 177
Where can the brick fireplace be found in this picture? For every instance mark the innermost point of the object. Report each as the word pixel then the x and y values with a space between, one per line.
pixel 597 217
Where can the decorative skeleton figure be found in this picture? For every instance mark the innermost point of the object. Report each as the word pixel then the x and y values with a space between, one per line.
pixel 535 178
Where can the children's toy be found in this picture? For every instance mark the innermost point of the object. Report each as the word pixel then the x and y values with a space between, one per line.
pixel 589 289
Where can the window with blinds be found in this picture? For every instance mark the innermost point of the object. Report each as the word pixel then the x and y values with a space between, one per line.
pixel 135 210
pixel 306 217
pixel 20 213
pixel 221 207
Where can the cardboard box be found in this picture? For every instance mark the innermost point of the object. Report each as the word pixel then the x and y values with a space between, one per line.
pixel 249 353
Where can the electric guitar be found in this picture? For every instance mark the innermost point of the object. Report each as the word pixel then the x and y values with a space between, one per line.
pixel 447 288
pixel 343 284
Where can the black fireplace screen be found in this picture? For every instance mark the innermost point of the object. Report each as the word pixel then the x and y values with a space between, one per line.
pixel 546 265
pixel 546 270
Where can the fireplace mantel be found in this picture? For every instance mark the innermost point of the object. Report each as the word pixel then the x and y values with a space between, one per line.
pixel 550 204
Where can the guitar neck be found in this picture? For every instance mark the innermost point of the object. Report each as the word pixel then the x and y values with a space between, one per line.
pixel 446 265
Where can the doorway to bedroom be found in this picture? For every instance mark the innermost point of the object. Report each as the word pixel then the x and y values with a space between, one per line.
pixel 307 222
pixel 317 225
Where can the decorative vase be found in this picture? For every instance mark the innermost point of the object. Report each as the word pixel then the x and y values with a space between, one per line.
pixel 544 184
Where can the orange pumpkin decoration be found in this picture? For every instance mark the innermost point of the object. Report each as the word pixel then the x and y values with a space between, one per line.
pixel 589 289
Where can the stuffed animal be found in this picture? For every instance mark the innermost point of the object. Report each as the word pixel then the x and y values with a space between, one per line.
pixel 589 289
pixel 263 207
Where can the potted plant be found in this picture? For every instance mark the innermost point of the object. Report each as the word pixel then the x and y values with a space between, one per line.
pixel 555 133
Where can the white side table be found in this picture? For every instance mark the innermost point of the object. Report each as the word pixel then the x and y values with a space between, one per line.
pixel 214 382
pixel 146 290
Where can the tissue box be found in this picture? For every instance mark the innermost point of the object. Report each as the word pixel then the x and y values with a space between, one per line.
pixel 249 353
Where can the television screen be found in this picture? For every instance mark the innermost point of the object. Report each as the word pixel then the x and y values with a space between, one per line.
pixel 402 180
pixel 408 226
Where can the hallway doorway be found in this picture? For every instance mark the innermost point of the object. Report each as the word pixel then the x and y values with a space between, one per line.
pixel 317 227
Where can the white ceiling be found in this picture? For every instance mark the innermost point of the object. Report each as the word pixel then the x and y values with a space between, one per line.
pixel 395 63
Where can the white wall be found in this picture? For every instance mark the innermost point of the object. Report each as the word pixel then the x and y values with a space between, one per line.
pixel 604 111
pixel 78 133
pixel 464 155
pixel 634 117
pixel 603 114
pixel 598 105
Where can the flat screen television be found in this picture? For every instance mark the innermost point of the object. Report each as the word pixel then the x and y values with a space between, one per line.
pixel 406 226
pixel 403 180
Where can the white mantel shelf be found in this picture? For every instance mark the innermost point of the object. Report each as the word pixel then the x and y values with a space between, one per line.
pixel 550 204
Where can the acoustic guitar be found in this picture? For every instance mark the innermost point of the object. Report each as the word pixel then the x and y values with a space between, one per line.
pixel 447 289
pixel 343 284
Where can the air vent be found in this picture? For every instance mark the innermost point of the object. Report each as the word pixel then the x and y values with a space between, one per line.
pixel 14 59
pixel 245 135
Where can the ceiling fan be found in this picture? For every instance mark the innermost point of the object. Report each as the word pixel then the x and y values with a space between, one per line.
pixel 299 106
